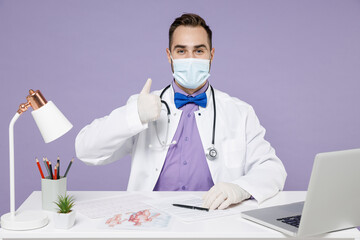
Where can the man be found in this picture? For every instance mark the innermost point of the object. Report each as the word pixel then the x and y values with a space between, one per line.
pixel 198 139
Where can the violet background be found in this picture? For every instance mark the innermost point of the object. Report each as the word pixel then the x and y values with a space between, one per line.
pixel 296 62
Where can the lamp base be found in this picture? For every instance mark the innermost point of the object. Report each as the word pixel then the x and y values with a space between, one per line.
pixel 24 220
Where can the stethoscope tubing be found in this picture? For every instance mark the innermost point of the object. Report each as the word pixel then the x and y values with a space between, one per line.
pixel 214 106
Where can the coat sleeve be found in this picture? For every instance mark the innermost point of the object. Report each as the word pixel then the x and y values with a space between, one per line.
pixel 264 172
pixel 110 138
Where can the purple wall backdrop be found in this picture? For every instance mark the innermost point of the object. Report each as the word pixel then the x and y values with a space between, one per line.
pixel 296 62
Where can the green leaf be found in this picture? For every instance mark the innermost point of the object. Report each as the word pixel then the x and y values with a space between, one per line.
pixel 65 203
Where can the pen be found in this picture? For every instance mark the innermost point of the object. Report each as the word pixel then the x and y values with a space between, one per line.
pixel 190 207
pixel 41 172
pixel 67 170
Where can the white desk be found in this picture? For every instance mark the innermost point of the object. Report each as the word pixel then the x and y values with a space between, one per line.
pixel 230 227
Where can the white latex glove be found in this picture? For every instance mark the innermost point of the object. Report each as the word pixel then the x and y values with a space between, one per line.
pixel 222 195
pixel 149 105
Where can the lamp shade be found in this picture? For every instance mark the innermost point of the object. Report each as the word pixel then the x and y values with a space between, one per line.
pixel 51 122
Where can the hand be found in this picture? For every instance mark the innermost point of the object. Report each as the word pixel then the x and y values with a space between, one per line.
pixel 222 195
pixel 149 105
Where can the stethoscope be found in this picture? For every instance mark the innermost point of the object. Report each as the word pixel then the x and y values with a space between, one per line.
pixel 211 153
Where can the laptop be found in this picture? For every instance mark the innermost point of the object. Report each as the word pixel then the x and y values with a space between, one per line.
pixel 332 201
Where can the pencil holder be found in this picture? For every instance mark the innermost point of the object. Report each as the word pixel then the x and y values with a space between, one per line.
pixel 50 190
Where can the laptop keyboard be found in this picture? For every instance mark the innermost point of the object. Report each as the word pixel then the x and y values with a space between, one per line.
pixel 293 221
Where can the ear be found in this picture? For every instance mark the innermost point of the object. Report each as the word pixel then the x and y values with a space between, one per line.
pixel 168 55
pixel 212 52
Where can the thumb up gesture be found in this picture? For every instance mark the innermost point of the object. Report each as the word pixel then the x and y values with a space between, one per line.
pixel 149 105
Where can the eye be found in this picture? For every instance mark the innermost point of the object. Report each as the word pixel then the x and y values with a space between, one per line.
pixel 180 51
pixel 199 51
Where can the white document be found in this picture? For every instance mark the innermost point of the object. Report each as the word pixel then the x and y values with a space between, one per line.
pixel 192 215
pixel 104 207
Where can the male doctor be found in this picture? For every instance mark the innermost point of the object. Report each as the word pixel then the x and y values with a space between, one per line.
pixel 189 136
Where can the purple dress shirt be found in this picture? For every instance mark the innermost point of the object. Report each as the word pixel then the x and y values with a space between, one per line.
pixel 185 167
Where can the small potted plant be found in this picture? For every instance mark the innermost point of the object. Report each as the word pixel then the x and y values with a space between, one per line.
pixel 65 216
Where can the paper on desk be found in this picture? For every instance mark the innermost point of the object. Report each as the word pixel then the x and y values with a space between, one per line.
pixel 191 215
pixel 104 207
pixel 148 219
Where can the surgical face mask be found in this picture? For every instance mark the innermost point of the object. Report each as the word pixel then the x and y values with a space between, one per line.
pixel 191 72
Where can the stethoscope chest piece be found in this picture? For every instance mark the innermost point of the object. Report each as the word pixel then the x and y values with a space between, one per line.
pixel 212 153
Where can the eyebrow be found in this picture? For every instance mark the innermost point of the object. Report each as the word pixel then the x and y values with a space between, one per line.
pixel 184 46
pixel 179 46
pixel 200 46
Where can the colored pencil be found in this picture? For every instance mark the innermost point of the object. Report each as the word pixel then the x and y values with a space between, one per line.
pixel 58 168
pixel 50 168
pixel 47 161
pixel 55 173
pixel 40 170
pixel 46 166
pixel 67 170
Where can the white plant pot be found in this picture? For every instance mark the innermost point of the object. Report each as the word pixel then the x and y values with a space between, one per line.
pixel 64 220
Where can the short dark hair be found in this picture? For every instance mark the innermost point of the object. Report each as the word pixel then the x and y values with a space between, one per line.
pixel 190 19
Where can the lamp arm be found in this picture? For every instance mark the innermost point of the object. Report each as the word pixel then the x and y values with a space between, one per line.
pixel 25 220
pixel 12 163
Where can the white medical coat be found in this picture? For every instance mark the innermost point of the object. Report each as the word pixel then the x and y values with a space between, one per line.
pixel 244 156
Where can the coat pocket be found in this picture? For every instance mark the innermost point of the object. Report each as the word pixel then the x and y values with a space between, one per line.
pixel 234 152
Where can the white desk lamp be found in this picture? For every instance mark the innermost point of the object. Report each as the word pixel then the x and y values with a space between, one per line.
pixel 52 125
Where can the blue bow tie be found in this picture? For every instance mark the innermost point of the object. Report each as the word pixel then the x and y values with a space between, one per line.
pixel 181 100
